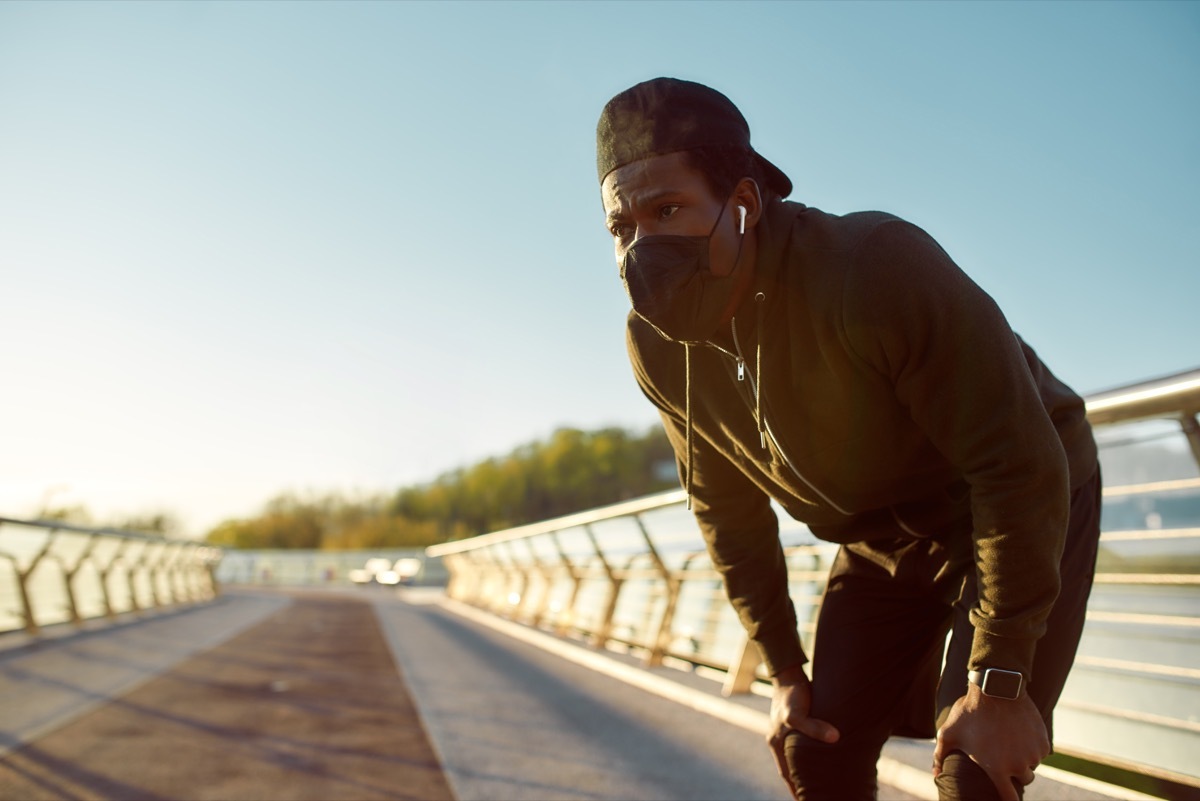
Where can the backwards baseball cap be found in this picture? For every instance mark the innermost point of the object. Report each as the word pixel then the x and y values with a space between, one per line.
pixel 667 115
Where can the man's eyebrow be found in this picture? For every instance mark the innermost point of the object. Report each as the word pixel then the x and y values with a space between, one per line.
pixel 652 196
pixel 642 200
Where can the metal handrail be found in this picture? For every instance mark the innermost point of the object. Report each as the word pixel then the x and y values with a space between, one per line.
pixel 1175 395
pixel 169 567
pixel 622 509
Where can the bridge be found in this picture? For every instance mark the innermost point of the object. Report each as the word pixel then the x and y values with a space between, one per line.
pixel 589 657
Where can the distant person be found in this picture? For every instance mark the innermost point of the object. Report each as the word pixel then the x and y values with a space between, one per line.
pixel 847 368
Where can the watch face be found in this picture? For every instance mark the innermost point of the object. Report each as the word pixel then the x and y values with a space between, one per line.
pixel 1001 683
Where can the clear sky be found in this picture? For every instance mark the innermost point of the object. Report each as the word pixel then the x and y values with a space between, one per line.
pixel 255 247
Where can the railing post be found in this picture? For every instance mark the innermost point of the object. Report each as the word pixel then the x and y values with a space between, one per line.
pixel 457 565
pixel 69 580
pixel 814 613
pixel 672 585
pixel 514 568
pixel 472 591
pixel 210 568
pixel 1191 429
pixel 132 566
pixel 452 575
pixel 170 567
pixel 179 584
pixel 742 668
pixel 166 567
pixel 544 571
pixel 504 570
pixel 31 624
pixel 494 575
pixel 152 566
pixel 475 594
pixel 568 618
pixel 601 635
pixel 195 571
pixel 104 570
pixel 178 594
pixel 709 621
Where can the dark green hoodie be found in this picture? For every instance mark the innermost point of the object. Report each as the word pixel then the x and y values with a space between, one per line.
pixel 898 403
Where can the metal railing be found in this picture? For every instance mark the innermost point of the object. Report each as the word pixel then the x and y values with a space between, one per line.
pixel 53 572
pixel 634 576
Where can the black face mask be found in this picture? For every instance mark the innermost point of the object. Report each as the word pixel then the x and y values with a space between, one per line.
pixel 671 287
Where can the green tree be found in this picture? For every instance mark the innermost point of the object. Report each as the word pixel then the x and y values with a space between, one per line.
pixel 570 471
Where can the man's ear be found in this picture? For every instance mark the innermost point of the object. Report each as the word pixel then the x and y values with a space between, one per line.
pixel 747 194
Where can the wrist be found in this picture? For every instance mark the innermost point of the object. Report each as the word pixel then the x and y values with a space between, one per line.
pixel 794 674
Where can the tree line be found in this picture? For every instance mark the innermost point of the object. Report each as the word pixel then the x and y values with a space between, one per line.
pixel 570 471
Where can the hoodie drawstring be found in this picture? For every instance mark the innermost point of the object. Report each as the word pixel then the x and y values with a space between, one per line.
pixel 758 329
pixel 687 384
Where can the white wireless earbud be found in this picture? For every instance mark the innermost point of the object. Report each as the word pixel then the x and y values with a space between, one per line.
pixel 742 224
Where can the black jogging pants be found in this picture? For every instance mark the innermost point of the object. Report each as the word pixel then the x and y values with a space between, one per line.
pixel 877 666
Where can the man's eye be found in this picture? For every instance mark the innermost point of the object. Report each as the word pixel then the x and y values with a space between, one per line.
pixel 620 230
pixel 667 211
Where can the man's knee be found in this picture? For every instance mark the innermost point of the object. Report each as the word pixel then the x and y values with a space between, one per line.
pixel 963 780
pixel 842 771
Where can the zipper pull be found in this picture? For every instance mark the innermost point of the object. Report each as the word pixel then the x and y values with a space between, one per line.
pixel 741 370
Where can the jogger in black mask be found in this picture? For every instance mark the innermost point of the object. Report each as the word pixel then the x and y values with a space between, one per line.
pixel 848 369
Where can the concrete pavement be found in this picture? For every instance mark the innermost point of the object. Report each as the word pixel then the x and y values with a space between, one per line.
pixel 304 703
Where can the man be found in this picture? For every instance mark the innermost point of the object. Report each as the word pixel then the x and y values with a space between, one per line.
pixel 845 367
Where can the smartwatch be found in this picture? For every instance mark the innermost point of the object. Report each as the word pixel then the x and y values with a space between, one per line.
pixel 998 683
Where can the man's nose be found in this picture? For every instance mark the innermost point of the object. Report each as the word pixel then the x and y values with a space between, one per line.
pixel 622 249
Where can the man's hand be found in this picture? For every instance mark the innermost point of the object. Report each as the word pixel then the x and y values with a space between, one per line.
pixel 1006 738
pixel 789 712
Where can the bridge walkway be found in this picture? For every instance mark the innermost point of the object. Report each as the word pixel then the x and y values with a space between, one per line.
pixel 363 694
pixel 257 696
